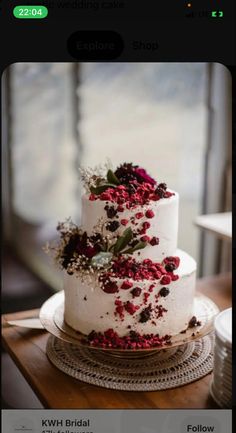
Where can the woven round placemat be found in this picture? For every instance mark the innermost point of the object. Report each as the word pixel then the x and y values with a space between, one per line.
pixel 168 368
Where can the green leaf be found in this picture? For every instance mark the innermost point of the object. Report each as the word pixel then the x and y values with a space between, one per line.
pixel 119 245
pixel 101 259
pixel 111 248
pixel 123 240
pixel 111 177
pixel 101 188
pixel 128 234
pixel 139 246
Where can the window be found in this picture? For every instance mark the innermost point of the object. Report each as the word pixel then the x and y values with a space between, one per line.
pixel 155 115
pixel 44 149
pixel 61 115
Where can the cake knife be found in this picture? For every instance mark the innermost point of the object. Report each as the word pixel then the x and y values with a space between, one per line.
pixel 33 323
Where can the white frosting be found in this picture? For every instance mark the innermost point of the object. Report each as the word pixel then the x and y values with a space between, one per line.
pixel 91 314
pixel 164 224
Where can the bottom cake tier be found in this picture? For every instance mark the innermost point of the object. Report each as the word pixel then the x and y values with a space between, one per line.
pixel 145 306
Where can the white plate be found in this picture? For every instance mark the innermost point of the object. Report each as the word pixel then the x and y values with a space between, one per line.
pixel 223 327
pixel 223 352
pixel 222 384
pixel 224 363
pixel 220 400
pixel 225 386
pixel 223 368
pixel 223 373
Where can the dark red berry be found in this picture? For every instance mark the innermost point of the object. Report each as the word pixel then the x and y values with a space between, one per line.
pixel 149 213
pixel 160 192
pixel 145 238
pixel 110 287
pixel 111 211
pixel 154 241
pixel 170 267
pixel 112 226
pixel 134 336
pixel 162 186
pixel 172 259
pixel 136 291
pixel 146 225
pixel 164 292
pixel 145 314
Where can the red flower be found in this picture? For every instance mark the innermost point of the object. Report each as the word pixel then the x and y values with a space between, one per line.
pixel 90 252
pixel 142 176
pixel 86 250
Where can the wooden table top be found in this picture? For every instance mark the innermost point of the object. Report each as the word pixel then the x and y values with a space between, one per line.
pixel 56 390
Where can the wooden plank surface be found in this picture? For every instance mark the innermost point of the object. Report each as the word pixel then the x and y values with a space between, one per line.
pixel 57 390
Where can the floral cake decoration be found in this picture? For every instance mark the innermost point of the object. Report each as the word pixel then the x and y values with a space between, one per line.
pixel 106 251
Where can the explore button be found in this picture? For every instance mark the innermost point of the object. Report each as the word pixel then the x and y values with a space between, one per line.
pixel 95 45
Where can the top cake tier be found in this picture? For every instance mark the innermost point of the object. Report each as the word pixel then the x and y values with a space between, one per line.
pixel 155 223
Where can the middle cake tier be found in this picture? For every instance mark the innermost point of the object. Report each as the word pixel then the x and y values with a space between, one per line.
pixel 156 223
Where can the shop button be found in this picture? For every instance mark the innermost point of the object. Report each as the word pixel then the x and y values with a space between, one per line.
pixel 95 45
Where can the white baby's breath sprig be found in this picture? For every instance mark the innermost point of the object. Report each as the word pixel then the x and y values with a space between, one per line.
pixel 92 176
pixel 47 248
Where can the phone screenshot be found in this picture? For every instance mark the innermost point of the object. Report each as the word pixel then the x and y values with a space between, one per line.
pixel 117 131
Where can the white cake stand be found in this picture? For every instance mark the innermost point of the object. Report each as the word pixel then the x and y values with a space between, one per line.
pixel 52 319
